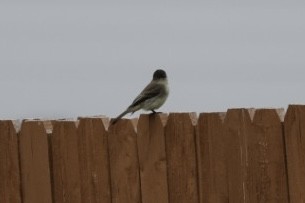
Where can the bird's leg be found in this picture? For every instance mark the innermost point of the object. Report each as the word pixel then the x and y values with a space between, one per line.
pixel 155 112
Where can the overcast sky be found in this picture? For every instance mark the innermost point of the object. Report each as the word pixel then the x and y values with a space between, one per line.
pixel 64 59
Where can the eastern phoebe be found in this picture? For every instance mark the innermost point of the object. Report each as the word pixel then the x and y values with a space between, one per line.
pixel 152 97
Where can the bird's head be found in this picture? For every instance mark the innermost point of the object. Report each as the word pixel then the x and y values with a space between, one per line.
pixel 159 74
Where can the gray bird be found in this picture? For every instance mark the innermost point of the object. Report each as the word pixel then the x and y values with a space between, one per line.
pixel 152 97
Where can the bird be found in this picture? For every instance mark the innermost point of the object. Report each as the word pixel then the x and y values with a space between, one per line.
pixel 152 97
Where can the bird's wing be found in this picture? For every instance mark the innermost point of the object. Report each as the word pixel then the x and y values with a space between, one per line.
pixel 150 91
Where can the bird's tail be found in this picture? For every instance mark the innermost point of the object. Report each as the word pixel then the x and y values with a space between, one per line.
pixel 119 117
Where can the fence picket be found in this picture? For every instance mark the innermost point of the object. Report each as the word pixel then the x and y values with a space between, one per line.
pixel 237 127
pixel 65 162
pixel 267 179
pixel 247 155
pixel 295 151
pixel 124 164
pixel 181 158
pixel 34 163
pixel 94 162
pixel 152 159
pixel 9 167
pixel 211 158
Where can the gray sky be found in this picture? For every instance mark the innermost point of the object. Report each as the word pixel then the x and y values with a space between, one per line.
pixel 64 59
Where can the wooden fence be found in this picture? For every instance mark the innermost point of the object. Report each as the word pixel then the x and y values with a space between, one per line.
pixel 240 156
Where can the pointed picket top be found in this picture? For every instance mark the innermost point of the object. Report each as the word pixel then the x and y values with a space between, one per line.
pixel 293 111
pixel 186 116
pixel 218 116
pixel 121 125
pixel 146 118
pixel 267 115
pixel 237 115
pixel 158 116
pixel 88 122
pixel 249 113
pixel 181 117
pixel 103 118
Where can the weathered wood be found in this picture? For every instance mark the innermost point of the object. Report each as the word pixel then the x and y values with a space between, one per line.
pixel 124 164
pixel 65 162
pixel 34 163
pixel 255 157
pixel 152 159
pixel 266 179
pixel 237 129
pixel 94 162
pixel 181 158
pixel 211 158
pixel 295 150
pixel 247 157
pixel 9 167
